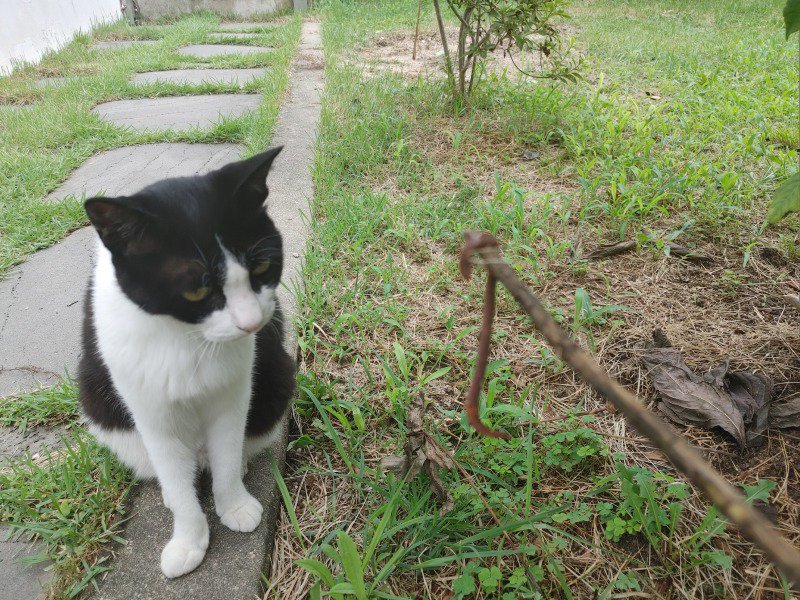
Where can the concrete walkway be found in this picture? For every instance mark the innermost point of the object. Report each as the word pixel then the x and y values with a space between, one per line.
pixel 40 315
pixel 247 26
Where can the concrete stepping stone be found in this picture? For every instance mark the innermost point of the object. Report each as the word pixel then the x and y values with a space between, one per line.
pixel 35 440
pixel 210 50
pixel 21 580
pixel 232 34
pixel 40 313
pixel 126 170
pixel 247 26
pixel 177 112
pixel 118 44
pixel 199 76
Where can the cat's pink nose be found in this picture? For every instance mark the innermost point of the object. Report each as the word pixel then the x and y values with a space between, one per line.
pixel 249 328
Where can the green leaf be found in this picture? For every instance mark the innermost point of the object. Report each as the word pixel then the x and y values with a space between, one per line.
pixel 791 16
pixel 352 564
pixel 314 593
pixel 760 491
pixel 343 588
pixel 786 198
pixel 317 568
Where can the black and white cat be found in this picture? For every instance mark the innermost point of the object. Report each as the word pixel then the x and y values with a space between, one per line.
pixel 183 365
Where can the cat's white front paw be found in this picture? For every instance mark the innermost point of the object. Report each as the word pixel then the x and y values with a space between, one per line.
pixel 244 515
pixel 181 556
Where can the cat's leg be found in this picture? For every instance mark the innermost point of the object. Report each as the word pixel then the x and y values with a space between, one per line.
pixel 237 509
pixel 175 464
pixel 255 445
pixel 127 445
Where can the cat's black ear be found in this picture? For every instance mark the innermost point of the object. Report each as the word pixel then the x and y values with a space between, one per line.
pixel 248 178
pixel 123 228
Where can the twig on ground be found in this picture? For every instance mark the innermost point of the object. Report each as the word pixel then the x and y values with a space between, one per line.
pixel 751 524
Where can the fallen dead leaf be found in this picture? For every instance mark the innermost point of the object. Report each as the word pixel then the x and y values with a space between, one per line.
pixel 606 250
pixel 422 454
pixel 737 402
pixel 785 414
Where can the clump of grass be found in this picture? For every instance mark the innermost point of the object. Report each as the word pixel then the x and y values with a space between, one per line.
pixel 45 407
pixel 69 499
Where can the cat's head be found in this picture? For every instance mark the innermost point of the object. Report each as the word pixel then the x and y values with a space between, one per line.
pixel 200 249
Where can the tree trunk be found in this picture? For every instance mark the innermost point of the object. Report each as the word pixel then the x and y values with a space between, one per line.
pixel 448 63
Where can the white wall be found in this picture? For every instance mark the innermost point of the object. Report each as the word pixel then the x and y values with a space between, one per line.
pixel 29 28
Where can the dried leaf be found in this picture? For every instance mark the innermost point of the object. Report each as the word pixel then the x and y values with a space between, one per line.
pixel 394 463
pixel 737 402
pixel 422 453
pixel 785 414
pixel 606 250
pixel 687 253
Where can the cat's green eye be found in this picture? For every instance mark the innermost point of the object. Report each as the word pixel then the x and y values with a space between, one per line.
pixel 197 295
pixel 261 267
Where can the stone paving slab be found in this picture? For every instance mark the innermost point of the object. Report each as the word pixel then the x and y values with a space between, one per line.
pixel 119 44
pixel 34 441
pixel 41 311
pixel 210 50
pixel 178 112
pixel 247 26
pixel 126 170
pixel 20 581
pixel 232 564
pixel 238 35
pixel 198 76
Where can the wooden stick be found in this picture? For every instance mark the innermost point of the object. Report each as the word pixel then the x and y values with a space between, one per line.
pixel 751 524
pixel 416 31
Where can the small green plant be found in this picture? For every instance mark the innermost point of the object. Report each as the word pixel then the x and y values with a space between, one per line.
pixel 72 502
pixel 650 503
pixel 730 282
pixel 586 315
pixel 574 446
pixel 515 27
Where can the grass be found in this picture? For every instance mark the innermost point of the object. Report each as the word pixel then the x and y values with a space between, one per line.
pixel 679 140
pixel 46 132
pixel 69 499
pixel 45 407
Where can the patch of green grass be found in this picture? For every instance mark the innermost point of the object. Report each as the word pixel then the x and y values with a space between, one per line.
pixel 656 146
pixel 45 133
pixel 70 499
pixel 47 406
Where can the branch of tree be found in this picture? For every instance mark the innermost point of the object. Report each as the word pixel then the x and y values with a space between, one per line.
pixel 447 60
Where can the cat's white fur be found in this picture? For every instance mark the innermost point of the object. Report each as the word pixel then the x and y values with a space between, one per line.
pixel 188 389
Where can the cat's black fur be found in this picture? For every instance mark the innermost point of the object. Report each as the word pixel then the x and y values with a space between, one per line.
pixel 163 242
